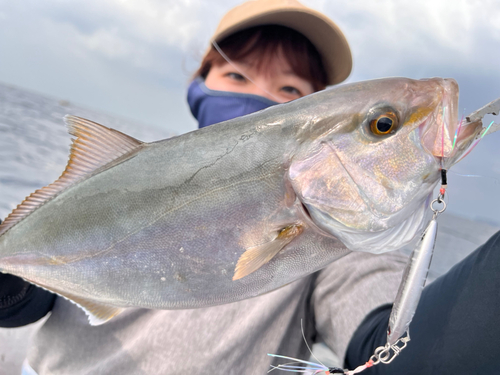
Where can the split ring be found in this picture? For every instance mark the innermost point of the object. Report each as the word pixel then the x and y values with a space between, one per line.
pixel 439 201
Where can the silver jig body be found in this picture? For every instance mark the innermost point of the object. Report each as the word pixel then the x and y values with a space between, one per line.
pixel 412 284
pixel 415 274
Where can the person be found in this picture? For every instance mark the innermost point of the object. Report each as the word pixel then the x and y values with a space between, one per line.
pixel 265 52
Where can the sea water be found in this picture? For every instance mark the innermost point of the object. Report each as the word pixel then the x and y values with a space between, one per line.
pixel 34 142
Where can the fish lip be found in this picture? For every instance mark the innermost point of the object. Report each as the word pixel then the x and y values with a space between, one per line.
pixel 464 143
pixel 463 134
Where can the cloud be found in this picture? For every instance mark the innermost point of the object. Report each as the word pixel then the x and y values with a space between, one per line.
pixel 136 32
pixel 394 36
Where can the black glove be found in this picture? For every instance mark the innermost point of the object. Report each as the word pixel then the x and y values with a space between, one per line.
pixel 22 303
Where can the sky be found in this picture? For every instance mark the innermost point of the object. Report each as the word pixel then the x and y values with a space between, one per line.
pixel 134 58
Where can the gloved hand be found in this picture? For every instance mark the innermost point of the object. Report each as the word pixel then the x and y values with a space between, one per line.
pixel 22 303
pixel 12 290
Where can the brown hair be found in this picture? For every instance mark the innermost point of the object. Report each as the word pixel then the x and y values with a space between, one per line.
pixel 261 44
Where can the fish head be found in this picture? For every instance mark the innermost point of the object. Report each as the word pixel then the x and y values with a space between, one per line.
pixel 366 169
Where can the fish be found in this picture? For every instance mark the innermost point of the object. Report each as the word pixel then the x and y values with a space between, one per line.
pixel 240 208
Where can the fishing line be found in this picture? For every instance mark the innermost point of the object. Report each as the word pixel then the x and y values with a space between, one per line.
pixel 443 118
pixel 474 176
pixel 457 132
pixel 304 337
pixel 230 62
pixel 301 366
pixel 308 366
pixel 476 142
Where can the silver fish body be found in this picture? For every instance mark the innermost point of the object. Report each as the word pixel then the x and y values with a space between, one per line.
pixel 237 209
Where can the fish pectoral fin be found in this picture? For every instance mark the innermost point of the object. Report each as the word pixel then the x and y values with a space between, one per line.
pixel 256 256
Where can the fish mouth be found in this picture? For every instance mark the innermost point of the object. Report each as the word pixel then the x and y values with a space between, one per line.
pixel 465 137
pixel 441 134
pixel 453 147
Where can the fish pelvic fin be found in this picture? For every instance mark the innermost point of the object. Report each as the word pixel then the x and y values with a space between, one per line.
pixel 256 256
pixel 94 147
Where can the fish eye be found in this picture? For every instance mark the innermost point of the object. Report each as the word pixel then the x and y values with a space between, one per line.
pixel 384 123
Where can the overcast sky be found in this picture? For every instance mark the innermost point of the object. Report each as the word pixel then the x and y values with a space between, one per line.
pixel 134 58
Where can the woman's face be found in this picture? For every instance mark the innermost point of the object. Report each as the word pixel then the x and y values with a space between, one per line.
pixel 276 81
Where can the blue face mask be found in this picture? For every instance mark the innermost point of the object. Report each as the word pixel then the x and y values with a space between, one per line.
pixel 213 106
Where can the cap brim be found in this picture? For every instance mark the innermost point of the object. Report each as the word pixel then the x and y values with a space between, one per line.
pixel 323 34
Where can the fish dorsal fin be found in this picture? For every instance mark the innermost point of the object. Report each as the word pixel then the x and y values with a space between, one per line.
pixel 94 147
pixel 256 256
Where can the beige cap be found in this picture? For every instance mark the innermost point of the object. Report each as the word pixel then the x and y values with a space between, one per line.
pixel 319 29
